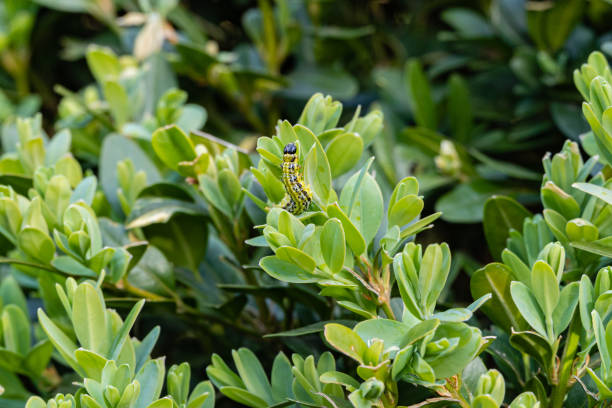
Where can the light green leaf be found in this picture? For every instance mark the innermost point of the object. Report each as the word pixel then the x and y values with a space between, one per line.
pixel 285 271
pixel 89 319
pixel 252 373
pixel 317 174
pixel 62 343
pixel 172 146
pixel 333 244
pixel 545 287
pixel 366 211
pixel 354 238
pixel 528 306
pixel 16 330
pixel 297 257
pixel 118 101
pixel 495 278
pixel 343 153
pixel 36 244
pixel 345 340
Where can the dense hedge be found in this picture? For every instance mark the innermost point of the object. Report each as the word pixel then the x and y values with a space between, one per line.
pixel 158 250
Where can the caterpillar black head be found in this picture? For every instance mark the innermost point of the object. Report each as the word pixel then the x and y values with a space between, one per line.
pixel 290 148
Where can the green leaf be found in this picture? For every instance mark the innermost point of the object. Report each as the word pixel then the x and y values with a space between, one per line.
pixel 285 271
pixel 484 401
pixel 501 214
pixel 602 138
pixel 92 363
pixel 534 345
pixel 242 396
pixel 337 377
pixel 595 190
pixel 103 63
pixel 281 378
pixel 21 184
pixel 553 197
pixel 421 101
pixel 392 332
pixel 155 210
pixel 72 267
pixel 89 319
pixel 36 244
pixel 214 195
pixel 353 237
pixel 345 340
pixel 509 169
pixel 193 117
pixel 333 244
pixel 600 247
pixel 297 257
pixel 143 350
pixel 62 343
pixel 85 190
pixel 304 136
pixel 528 306
pixel 469 343
pixel 495 278
pixel 545 287
pixel 10 218
pixel 343 153
pixel 433 272
pixel 151 379
pixel 165 402
pixel 549 27
pixel 187 246
pixel 11 294
pixel 460 113
pixel 419 225
pixel 39 356
pixel 568 300
pixel 468 23
pixel 16 330
pixel 465 203
pixel 366 211
pixel 11 361
pixel 172 146
pixel 252 373
pixel 116 148
pixel 118 101
pixel 153 272
pixel 405 210
pixel 231 188
pixel 57 147
pixel 524 400
pixel 368 127
pixel 317 174
pixel 124 331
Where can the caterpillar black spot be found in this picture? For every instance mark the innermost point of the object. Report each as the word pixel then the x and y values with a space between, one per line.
pixel 298 197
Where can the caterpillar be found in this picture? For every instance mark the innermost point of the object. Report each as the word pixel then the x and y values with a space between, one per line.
pixel 298 197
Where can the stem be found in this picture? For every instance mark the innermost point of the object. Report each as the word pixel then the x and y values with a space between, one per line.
pixel 388 311
pixel 567 362
pixel 456 394
pixel 30 264
pixel 141 293
pixel 21 82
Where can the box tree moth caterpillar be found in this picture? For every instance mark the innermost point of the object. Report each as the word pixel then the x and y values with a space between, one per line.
pixel 298 197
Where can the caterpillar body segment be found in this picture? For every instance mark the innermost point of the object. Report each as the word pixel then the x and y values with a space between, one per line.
pixel 298 197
